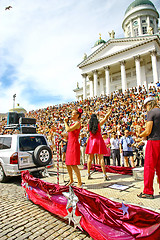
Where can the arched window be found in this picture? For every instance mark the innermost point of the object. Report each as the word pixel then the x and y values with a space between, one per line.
pixel 144 29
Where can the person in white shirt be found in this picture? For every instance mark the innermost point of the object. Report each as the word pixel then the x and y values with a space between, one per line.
pixel 114 141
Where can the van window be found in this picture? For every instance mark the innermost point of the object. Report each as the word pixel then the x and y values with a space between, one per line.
pixel 29 143
pixel 5 142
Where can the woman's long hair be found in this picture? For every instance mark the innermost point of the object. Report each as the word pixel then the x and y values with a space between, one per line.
pixel 93 124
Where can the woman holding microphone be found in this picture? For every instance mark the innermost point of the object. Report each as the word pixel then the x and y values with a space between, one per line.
pixel 73 146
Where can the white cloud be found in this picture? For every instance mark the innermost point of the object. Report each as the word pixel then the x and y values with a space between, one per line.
pixel 42 41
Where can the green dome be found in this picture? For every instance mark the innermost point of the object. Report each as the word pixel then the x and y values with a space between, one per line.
pixel 139 2
pixel 100 41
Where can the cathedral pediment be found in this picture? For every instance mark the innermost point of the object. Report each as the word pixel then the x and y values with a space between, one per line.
pixel 114 47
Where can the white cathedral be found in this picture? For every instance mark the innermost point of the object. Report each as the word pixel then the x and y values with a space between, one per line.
pixel 123 63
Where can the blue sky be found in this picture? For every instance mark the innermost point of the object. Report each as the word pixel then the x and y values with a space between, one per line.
pixel 43 41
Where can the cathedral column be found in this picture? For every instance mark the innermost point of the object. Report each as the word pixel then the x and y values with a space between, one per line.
pixel 140 26
pixel 143 76
pixel 131 28
pixel 155 30
pixel 107 80
pixel 148 22
pixel 101 87
pixel 95 82
pixel 84 86
pixel 138 70
pixel 123 76
pixel 91 88
pixel 154 66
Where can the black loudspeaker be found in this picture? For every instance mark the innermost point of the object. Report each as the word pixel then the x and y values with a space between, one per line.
pixel 13 117
pixel 24 120
pixel 27 130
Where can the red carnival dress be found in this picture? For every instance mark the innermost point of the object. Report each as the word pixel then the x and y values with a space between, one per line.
pixel 73 148
pixel 96 143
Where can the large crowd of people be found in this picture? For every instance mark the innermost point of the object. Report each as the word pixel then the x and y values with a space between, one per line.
pixel 128 115
pixel 127 118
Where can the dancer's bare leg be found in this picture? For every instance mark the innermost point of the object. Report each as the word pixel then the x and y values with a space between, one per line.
pixel 77 172
pixel 70 172
pixel 96 159
pixel 89 162
pixel 100 156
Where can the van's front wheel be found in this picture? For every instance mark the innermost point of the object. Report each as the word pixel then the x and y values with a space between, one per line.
pixel 3 177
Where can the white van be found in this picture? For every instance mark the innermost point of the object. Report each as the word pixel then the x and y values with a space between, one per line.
pixel 19 152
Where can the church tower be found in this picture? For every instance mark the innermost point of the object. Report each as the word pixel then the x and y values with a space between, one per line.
pixel 141 18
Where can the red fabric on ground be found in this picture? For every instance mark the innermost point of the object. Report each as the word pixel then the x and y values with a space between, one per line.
pixel 111 169
pixel 102 218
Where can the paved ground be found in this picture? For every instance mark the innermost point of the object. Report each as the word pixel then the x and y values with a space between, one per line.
pixel 21 219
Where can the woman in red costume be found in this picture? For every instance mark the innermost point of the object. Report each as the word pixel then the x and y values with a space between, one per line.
pixel 73 146
pixel 95 144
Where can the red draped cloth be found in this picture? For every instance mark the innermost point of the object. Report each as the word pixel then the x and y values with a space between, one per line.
pixel 111 169
pixel 102 218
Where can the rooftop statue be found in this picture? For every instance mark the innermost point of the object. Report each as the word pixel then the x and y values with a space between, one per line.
pixel 150 30
pixel 85 56
pixel 112 34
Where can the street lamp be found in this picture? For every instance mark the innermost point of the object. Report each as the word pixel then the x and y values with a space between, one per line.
pixel 14 96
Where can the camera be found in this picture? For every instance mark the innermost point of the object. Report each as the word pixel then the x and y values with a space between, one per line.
pixel 129 145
